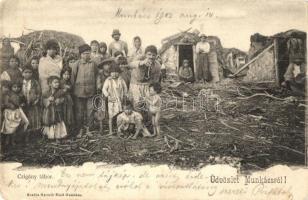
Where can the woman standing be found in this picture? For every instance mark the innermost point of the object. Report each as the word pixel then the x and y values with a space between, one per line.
pixel 202 49
pixel 50 65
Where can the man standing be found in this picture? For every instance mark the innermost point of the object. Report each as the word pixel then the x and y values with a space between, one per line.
pixel 117 44
pixel 143 73
pixel 84 73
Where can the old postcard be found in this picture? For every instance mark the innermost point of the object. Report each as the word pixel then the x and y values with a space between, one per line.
pixel 153 99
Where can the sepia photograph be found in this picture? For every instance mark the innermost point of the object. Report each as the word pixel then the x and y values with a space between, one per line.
pixel 183 84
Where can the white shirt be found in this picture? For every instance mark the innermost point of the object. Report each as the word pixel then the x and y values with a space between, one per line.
pixel 204 46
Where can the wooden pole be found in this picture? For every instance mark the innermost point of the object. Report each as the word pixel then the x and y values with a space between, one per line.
pixel 277 80
pixel 251 61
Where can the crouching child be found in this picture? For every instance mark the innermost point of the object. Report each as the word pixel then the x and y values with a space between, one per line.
pixel 130 123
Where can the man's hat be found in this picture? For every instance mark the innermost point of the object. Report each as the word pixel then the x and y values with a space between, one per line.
pixel 115 32
pixel 203 36
pixel 109 61
pixel 115 68
pixel 83 48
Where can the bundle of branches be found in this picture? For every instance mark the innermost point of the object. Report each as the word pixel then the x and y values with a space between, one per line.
pixel 35 42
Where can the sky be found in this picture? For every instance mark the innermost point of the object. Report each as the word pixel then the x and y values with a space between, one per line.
pixel 233 22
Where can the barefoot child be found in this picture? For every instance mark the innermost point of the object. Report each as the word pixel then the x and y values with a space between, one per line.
pixel 130 123
pixel 154 105
pixel 32 93
pixel 14 116
pixel 54 126
pixel 68 109
pixel 115 90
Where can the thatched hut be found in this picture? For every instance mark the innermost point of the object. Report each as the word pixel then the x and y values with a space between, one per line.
pixel 182 46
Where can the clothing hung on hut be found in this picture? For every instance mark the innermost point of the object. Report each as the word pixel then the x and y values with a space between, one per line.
pixel 296 48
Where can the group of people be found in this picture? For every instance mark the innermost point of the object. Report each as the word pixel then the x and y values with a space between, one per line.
pixel 59 97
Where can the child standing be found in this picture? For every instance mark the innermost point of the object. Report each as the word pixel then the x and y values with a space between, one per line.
pixel 68 109
pixel 103 74
pixel 115 90
pixel 154 105
pixel 130 123
pixel 185 72
pixel 4 92
pixel 14 116
pixel 122 62
pixel 54 126
pixel 32 93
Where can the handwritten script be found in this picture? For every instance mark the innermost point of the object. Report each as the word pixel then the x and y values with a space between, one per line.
pixel 161 15
pixel 131 182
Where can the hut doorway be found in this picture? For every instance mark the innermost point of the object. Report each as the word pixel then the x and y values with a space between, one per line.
pixel 282 57
pixel 186 51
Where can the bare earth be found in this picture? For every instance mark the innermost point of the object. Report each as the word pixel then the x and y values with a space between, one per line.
pixel 247 132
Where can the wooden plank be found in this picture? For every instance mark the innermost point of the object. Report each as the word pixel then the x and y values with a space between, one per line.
pixel 276 61
pixel 251 61
pixel 195 62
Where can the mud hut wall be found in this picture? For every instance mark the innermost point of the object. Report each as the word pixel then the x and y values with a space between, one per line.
pixel 170 59
pixel 263 69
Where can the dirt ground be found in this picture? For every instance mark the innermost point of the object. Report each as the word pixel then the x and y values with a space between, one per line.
pixel 248 132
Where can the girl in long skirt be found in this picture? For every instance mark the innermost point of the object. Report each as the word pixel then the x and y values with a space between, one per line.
pixel 68 110
pixel 54 126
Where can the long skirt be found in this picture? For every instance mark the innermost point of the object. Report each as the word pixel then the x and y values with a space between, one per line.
pixel 203 67
pixel 56 131
pixel 33 113
pixel 68 111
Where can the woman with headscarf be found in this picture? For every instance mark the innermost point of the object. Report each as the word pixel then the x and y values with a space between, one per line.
pixel 50 65
pixel 6 52
pixel 136 53
pixel 103 51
